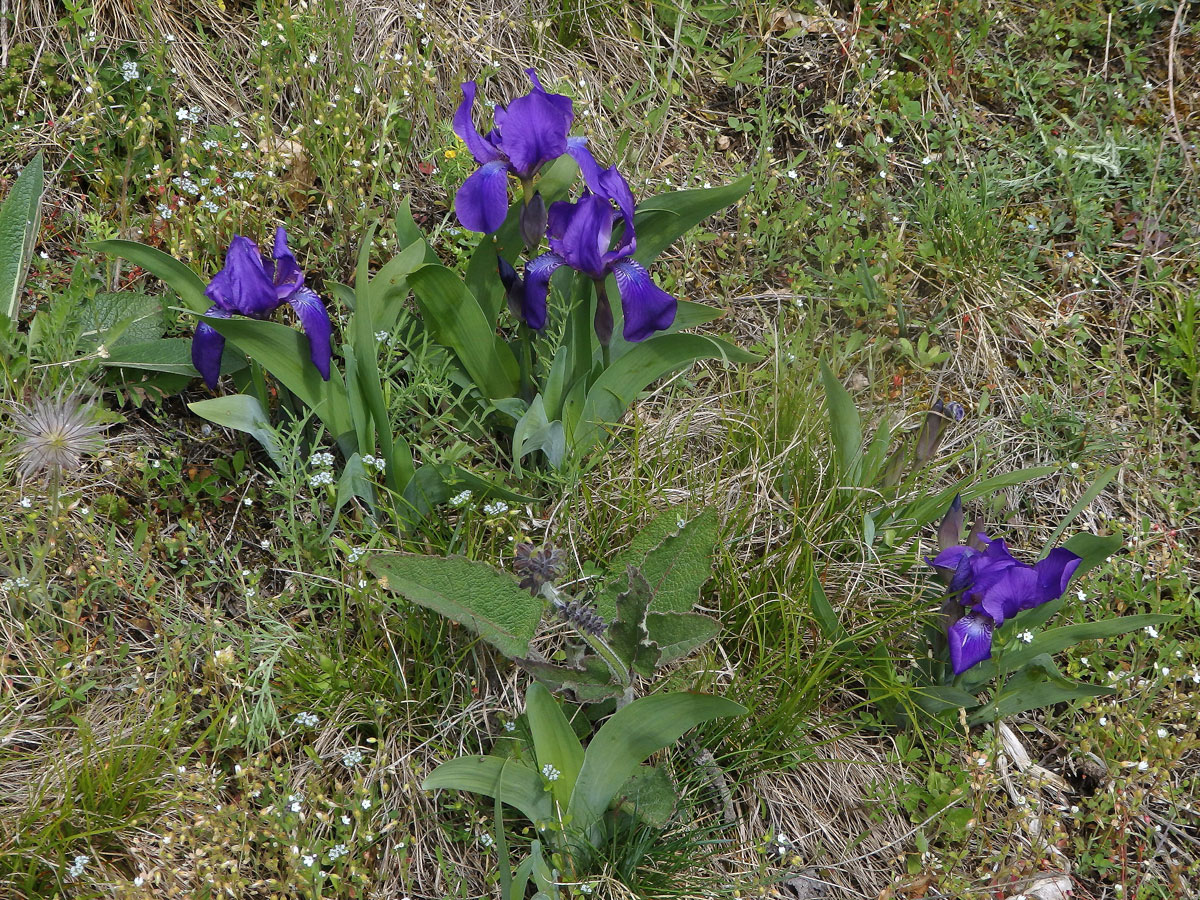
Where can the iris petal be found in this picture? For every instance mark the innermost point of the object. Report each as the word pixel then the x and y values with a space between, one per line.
pixel 482 201
pixel 646 306
pixel 315 322
pixel 578 150
pixel 288 277
pixel 243 285
pixel 537 286
pixel 464 127
pixel 533 131
pixel 207 346
pixel 970 641
pixel 1055 571
pixel 580 233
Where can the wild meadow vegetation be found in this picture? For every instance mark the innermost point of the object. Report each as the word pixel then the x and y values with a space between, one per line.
pixel 606 449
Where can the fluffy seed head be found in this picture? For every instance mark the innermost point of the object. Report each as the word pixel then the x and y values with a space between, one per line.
pixel 54 434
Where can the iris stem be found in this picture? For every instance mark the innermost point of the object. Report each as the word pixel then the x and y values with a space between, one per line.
pixel 526 360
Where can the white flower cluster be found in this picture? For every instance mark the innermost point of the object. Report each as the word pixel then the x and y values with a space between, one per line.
pixel 486 840
pixel 190 114
pixel 324 478
pixel 337 852
pixel 11 584
pixel 322 459
pixel 295 802
pixel 306 720
pixel 550 772
pixel 78 866
pixel 461 499
pixel 129 70
pixel 186 185
pixel 164 211
pixel 210 144
pixel 355 554
pixel 243 175
pixel 495 508
pixel 374 462
pixel 352 758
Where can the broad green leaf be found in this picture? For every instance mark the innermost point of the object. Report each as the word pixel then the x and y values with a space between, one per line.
pixel 535 432
pixel 590 682
pixel 661 220
pixel 455 320
pixel 173 355
pixel 1037 685
pixel 285 353
pixel 554 741
pixel 939 698
pixel 629 738
pixel 174 274
pixel 1058 639
pixel 511 782
pixel 627 633
pixel 845 427
pixel 678 634
pixel 471 593
pixel 650 795
pixel 1093 550
pixel 556 384
pixel 1088 496
pixel 619 385
pixel 20 221
pixel 242 413
pixel 675 561
pixel 117 319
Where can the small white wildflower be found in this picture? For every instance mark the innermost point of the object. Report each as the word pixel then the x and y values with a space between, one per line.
pixel 586 888
pixel 139 881
pixel 793 174
pixel 888 139
pixel 1026 637
pixel 1165 670
pixel 321 460
pixel 510 726
pixel 550 772
pixel 1162 732
pixel 495 508
pixel 337 851
pixel 1103 721
pixel 839 144
pixel 362 584
pixel 78 866
pixel 366 803
pixel 1083 661
pixel 246 501
pixel 265 543
pixel 352 758
pixel 1143 766
pixel 983 760
pixel 308 859
pixel 486 840
pixel 321 479
pixel 295 803
pixel 306 719
pixel 346 820
pixel 355 554
pixel 381 336
pixel 1074 467
pixel 395 185
pixel 680 522
pixel 26 503
pixel 129 70
pixel 1152 631
pixel 312 58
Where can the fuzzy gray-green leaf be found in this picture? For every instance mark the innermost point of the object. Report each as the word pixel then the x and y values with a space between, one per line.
pixel 468 592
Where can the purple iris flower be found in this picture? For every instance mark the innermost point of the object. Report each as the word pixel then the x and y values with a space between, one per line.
pixel 580 236
pixel 530 132
pixel 255 285
pixel 994 587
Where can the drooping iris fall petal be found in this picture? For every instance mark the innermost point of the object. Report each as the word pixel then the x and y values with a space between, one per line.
pixel 207 347
pixel 646 306
pixel 970 641
pixel 482 201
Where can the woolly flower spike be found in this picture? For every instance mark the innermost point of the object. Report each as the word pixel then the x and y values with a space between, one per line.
pixel 54 435
pixel 581 614
pixel 254 285
pixel 537 568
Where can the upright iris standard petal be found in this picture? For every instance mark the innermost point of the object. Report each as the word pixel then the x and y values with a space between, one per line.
pixel 537 286
pixel 243 285
pixel 207 346
pixel 584 230
pixel 482 201
pixel 970 641
pixel 464 126
pixel 646 306
pixel 288 277
pixel 533 131
pixel 1055 571
pixel 315 322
